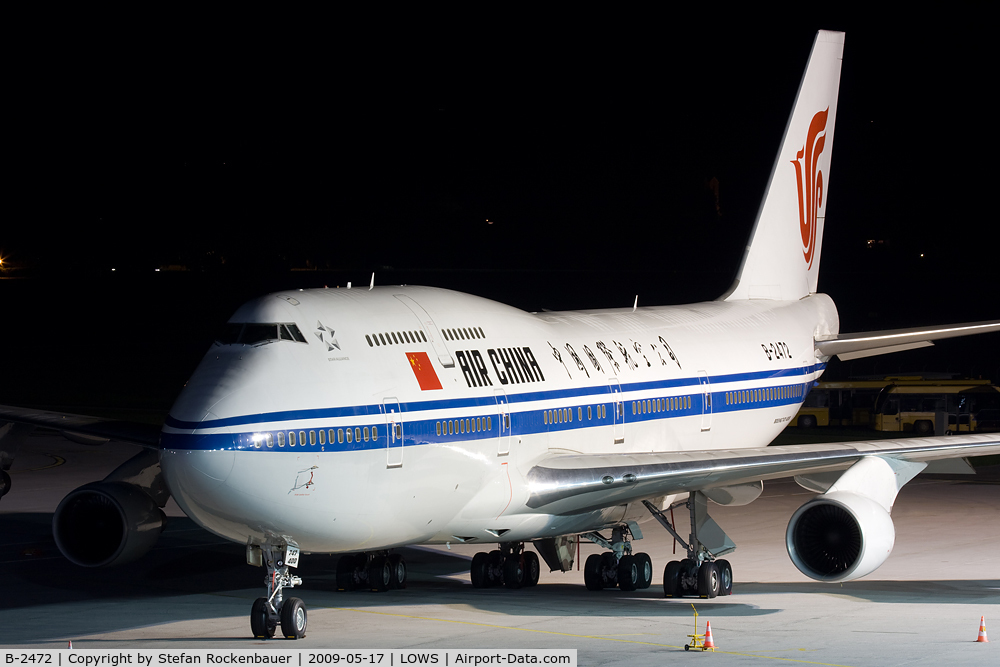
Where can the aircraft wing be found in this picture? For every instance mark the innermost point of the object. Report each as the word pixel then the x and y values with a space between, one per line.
pixel 870 343
pixel 570 484
pixel 83 429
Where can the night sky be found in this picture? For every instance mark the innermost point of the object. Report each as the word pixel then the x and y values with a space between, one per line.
pixel 244 150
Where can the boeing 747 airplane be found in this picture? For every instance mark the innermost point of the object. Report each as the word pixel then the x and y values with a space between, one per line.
pixel 356 421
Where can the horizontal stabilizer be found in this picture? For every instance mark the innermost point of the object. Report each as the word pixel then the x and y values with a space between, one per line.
pixel 857 345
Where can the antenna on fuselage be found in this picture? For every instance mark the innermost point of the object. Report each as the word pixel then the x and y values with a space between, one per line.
pixel 635 304
pixel 371 285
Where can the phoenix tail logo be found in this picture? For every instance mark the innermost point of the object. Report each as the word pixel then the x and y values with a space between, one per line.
pixel 810 183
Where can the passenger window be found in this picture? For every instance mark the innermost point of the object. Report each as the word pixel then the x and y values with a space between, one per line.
pixel 451 427
pixel 270 440
pixel 340 435
pixel 479 425
pixel 489 423
pixel 281 438
pixel 506 422
pixel 291 438
pixel 357 434
pixel 331 436
pixel 545 416
pixel 461 425
pixel 589 414
pixel 579 413
pixel 350 435
pixel 365 431
pixel 369 339
pixel 302 438
pixel 312 438
pixel 437 426
pixel 322 437
pixel 374 433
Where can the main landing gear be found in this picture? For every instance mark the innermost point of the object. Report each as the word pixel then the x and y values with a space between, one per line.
pixel 702 573
pixel 372 570
pixel 269 612
pixel 618 566
pixel 510 565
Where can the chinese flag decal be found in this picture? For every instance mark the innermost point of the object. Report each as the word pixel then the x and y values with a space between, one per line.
pixel 423 370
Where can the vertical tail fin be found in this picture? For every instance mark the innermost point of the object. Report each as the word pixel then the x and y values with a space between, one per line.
pixel 782 258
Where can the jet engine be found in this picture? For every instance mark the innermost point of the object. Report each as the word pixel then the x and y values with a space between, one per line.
pixel 839 536
pixel 106 523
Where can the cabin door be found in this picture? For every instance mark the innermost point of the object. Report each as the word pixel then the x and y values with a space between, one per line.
pixel 618 410
pixel 503 417
pixel 394 432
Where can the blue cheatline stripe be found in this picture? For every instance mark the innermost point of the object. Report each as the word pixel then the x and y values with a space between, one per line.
pixel 529 422
pixel 482 401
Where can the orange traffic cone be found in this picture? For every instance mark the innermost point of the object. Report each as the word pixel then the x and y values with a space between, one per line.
pixel 708 635
pixel 982 630
pixel 70 644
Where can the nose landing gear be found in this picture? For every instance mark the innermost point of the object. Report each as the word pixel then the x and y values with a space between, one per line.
pixel 267 613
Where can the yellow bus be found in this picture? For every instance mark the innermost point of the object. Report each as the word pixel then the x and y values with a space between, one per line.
pixel 848 403
pixel 899 403
pixel 933 406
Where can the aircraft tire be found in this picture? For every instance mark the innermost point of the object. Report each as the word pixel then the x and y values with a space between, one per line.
pixel 592 573
pixel 688 569
pixel 397 571
pixel 671 579
pixel 345 572
pixel 495 570
pixel 379 574
pixel 708 580
pixel 628 573
pixel 480 565
pixel 725 577
pixel 260 620
pixel 294 618
pixel 532 568
pixel 645 570
pixel 513 572
pixel 4 483
pixel 609 570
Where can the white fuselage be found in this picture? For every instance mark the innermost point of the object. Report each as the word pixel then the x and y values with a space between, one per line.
pixel 519 387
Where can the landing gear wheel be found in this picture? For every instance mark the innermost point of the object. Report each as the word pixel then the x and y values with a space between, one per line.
pixel 479 570
pixel 645 564
pixel 379 574
pixel 4 483
pixel 345 573
pixel 708 580
pixel 293 618
pixel 725 577
pixel 592 573
pixel 609 570
pixel 397 571
pixel 260 620
pixel 671 579
pixel 495 570
pixel 513 571
pixel 628 573
pixel 532 569
pixel 688 572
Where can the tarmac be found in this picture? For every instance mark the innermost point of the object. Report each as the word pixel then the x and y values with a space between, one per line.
pixel 194 590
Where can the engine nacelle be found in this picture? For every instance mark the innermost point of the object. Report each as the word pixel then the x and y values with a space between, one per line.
pixel 106 523
pixel 839 536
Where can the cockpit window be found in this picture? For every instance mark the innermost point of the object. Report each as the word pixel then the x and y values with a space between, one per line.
pixel 256 333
